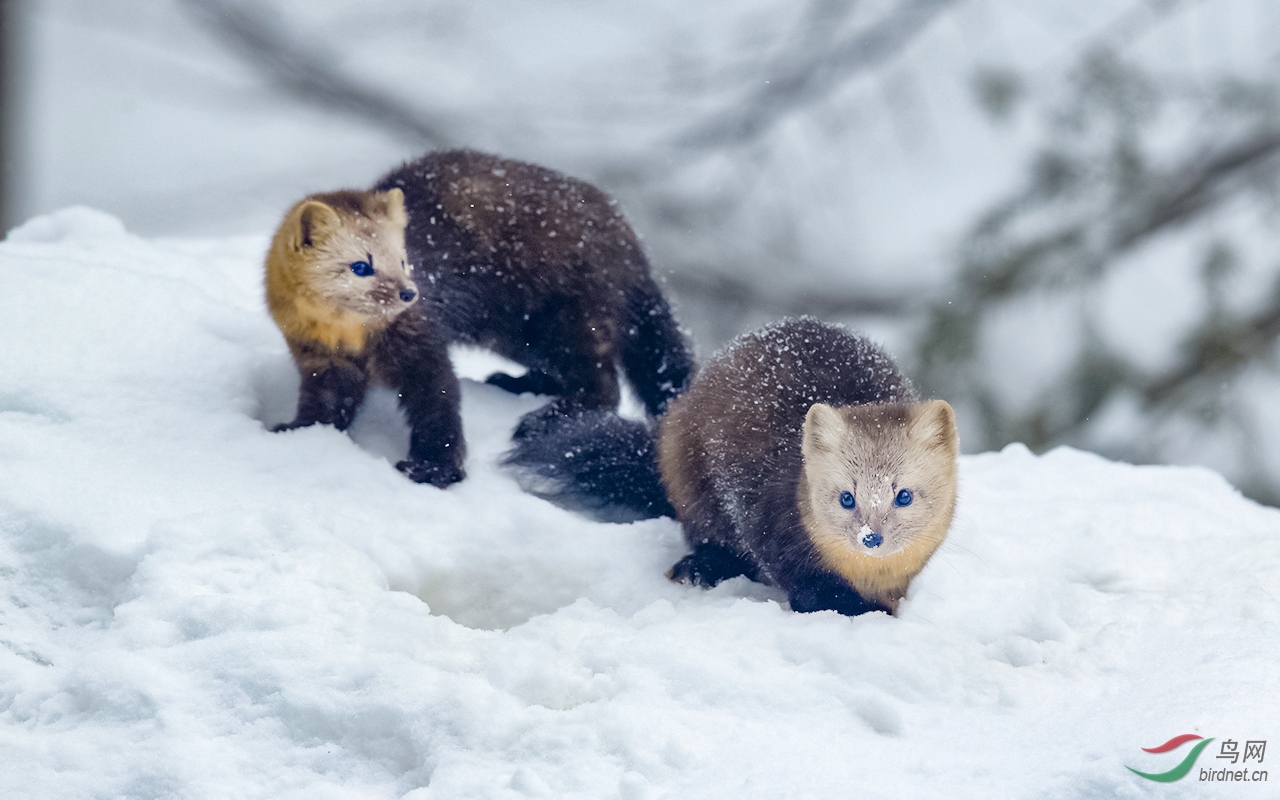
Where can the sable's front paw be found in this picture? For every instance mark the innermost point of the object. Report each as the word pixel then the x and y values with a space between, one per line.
pixel 689 570
pixel 709 564
pixel 828 593
pixel 684 571
pixel 438 475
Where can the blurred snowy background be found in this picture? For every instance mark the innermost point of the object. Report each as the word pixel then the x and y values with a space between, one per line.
pixel 1060 215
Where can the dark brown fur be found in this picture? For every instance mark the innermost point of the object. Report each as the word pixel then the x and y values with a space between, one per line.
pixel 765 431
pixel 543 269
pixel 540 267
pixel 756 460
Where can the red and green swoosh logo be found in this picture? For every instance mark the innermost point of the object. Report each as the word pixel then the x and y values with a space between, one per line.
pixel 1183 768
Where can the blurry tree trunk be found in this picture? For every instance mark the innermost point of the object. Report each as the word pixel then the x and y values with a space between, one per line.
pixel 8 111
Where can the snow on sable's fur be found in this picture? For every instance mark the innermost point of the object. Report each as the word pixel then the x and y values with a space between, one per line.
pixel 755 456
pixel 543 269
pixel 533 264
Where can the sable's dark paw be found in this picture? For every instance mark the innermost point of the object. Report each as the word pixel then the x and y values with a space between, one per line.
pixel 709 564
pixel 686 571
pixel 532 382
pixel 829 593
pixel 438 475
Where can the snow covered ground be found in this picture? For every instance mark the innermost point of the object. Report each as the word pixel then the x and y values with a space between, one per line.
pixel 194 607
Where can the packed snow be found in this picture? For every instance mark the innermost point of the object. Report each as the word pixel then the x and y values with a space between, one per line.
pixel 196 607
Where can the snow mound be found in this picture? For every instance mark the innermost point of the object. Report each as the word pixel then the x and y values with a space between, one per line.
pixel 195 607
pixel 77 223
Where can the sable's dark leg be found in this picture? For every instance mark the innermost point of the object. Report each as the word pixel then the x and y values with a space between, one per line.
pixel 534 382
pixel 575 346
pixel 329 395
pixel 822 591
pixel 417 362
pixel 587 381
pixel 709 564
pixel 436 447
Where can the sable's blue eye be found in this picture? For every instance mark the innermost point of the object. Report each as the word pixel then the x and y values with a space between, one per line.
pixel 904 498
pixel 846 499
pixel 362 268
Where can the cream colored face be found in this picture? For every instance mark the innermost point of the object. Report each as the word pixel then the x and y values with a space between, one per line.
pixel 358 262
pixel 881 478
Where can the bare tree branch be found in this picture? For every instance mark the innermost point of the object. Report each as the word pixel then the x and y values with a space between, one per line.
pixel 801 82
pixel 792 82
pixel 302 70
pixel 1218 353
pixel 1190 188
pixel 721 289
pixel 1106 229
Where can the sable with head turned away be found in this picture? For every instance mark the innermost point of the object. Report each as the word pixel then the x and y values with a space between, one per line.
pixel 460 246
pixel 340 287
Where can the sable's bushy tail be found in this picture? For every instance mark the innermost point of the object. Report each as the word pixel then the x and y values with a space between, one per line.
pixel 655 354
pixel 596 461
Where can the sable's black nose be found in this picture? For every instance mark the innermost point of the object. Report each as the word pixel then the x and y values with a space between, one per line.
pixel 407 294
pixel 872 540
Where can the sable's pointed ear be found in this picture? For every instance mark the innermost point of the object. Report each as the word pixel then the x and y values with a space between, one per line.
pixel 315 221
pixel 395 206
pixel 933 424
pixel 823 430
